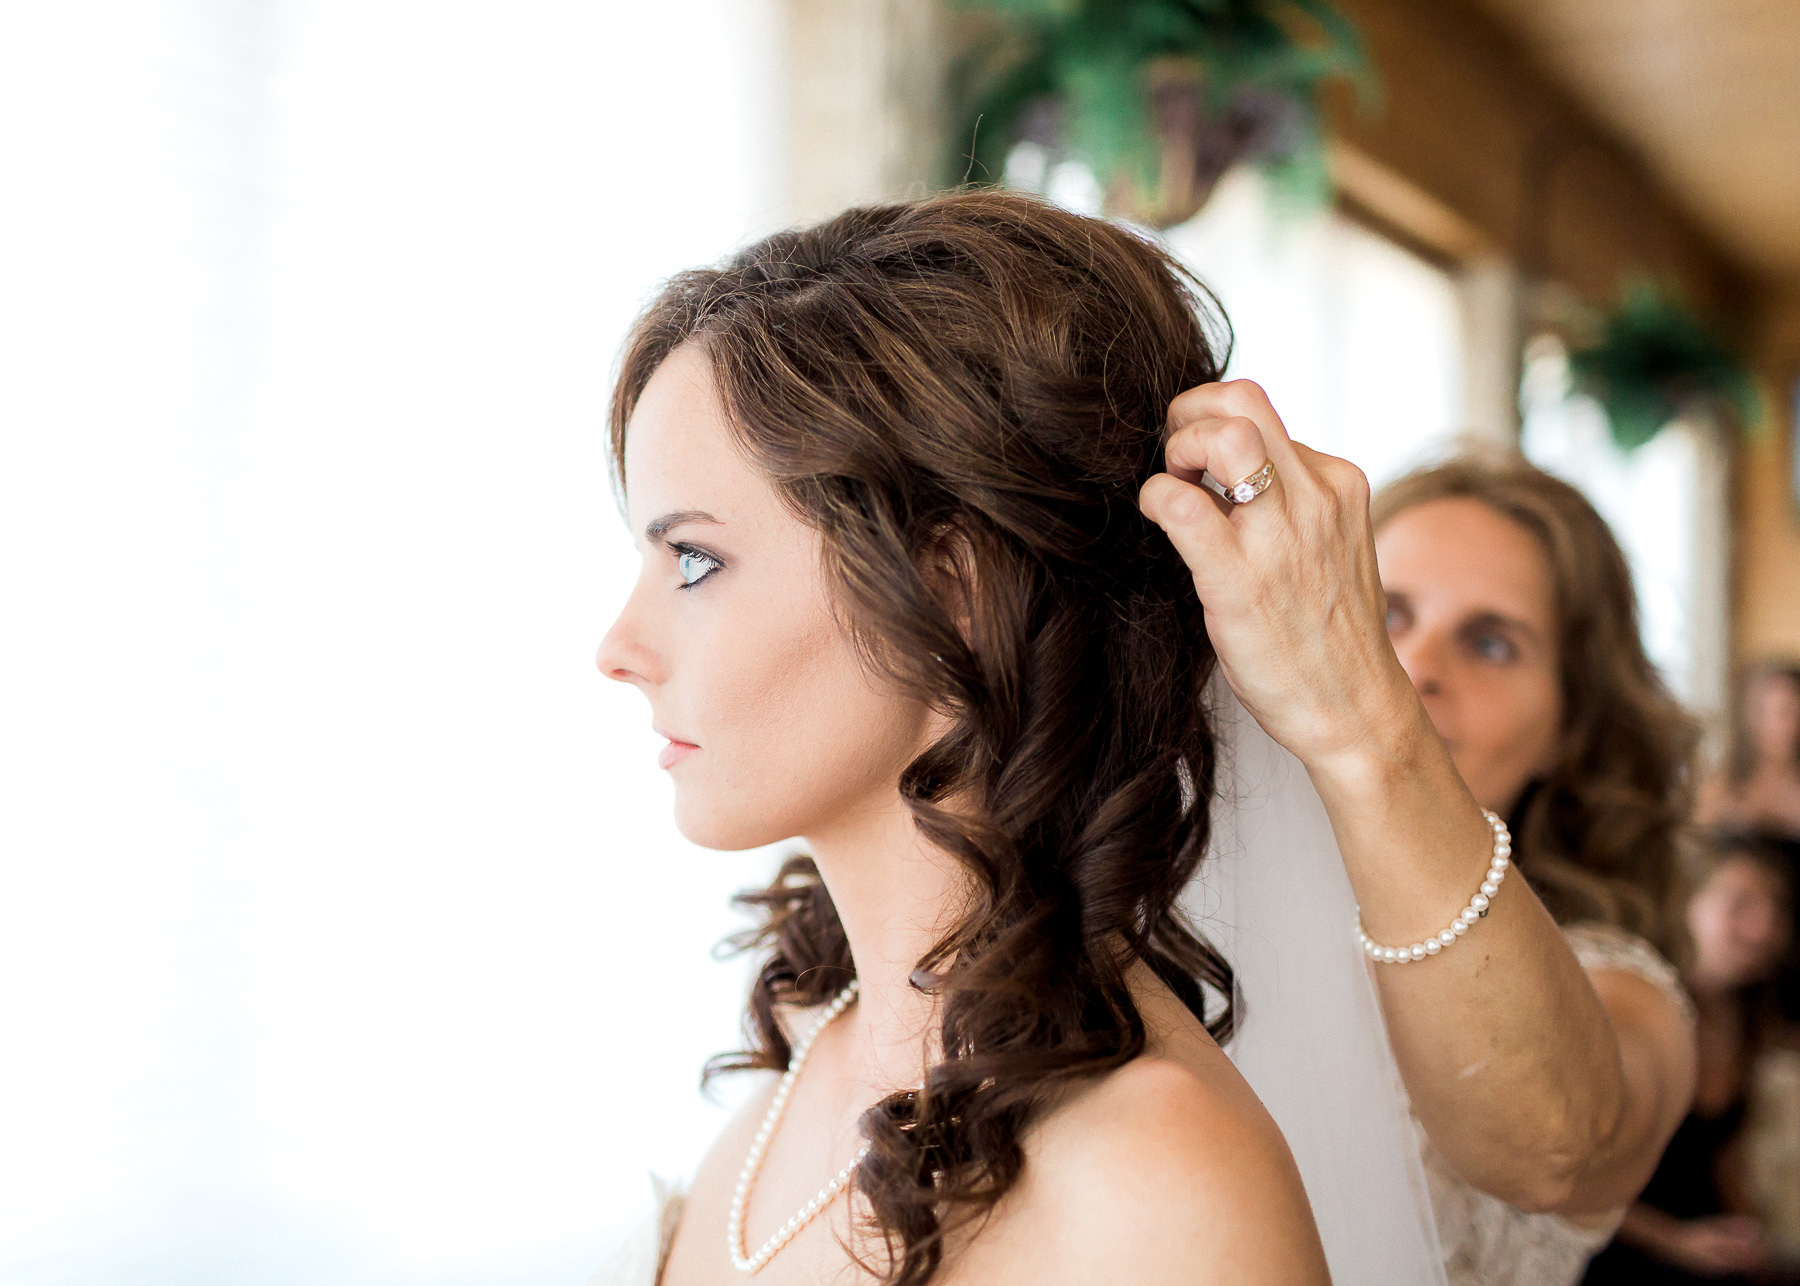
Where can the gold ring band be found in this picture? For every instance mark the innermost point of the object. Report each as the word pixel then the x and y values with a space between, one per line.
pixel 1248 489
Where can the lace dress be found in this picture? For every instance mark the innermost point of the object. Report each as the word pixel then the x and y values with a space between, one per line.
pixel 1489 1243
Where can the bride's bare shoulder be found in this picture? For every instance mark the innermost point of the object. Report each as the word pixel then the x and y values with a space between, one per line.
pixel 1170 1170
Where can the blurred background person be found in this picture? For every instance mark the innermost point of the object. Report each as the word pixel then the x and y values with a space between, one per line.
pixel 1760 786
pixel 1693 1222
pixel 1758 790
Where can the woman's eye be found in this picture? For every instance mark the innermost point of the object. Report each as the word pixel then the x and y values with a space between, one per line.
pixel 1495 647
pixel 694 567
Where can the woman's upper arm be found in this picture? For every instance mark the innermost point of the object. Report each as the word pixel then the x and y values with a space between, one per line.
pixel 1657 1060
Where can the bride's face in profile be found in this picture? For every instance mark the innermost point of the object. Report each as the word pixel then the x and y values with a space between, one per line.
pixel 774 727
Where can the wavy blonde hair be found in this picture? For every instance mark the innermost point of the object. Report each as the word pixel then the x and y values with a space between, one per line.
pixel 1599 835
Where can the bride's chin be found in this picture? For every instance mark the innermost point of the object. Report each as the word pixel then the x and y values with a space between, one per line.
pixel 724 830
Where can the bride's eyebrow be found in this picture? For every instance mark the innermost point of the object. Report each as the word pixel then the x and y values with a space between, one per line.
pixel 657 528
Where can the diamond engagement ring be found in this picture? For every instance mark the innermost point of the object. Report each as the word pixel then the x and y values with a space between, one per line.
pixel 1253 486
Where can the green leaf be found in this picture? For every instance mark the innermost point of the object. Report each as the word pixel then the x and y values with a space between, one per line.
pixel 1094 58
pixel 1024 8
pixel 1654 361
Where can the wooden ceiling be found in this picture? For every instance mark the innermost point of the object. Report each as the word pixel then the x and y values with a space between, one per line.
pixel 1706 92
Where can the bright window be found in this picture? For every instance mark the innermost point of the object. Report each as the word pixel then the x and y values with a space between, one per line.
pixel 1358 341
pixel 1667 504
pixel 343 930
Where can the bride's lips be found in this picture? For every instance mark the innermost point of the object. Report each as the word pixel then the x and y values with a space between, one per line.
pixel 674 752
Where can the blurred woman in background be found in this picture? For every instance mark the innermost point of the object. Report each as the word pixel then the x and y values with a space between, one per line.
pixel 1512 610
pixel 1760 788
pixel 1689 1226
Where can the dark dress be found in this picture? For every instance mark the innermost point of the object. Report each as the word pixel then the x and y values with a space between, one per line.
pixel 1685 1185
pixel 1786 986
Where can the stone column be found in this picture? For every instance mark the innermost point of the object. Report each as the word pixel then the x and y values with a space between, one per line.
pixel 1490 288
pixel 865 82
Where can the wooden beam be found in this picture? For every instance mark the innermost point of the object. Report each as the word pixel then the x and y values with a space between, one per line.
pixel 1510 163
pixel 1766 569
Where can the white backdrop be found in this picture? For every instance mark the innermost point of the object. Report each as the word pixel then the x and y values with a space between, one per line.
pixel 343 935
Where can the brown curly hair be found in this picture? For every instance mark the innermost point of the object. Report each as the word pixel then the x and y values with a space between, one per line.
pixel 1599 835
pixel 963 395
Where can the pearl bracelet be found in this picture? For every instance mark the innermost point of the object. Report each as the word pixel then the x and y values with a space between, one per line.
pixel 1478 907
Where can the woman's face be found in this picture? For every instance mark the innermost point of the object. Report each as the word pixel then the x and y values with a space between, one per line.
pixel 1472 613
pixel 774 727
pixel 1772 712
pixel 1739 923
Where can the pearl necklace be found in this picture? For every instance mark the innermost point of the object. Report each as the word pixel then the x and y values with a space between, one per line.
pixel 734 1228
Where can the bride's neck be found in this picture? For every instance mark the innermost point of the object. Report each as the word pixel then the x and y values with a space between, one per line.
pixel 896 894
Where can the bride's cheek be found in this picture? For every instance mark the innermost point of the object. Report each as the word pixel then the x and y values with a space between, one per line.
pixel 762 717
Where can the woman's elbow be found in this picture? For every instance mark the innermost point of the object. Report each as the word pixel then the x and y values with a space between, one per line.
pixel 1552 1170
pixel 1545 1189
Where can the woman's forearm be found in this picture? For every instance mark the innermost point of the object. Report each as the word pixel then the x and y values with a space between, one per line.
pixel 1509 1057
pixel 1512 1061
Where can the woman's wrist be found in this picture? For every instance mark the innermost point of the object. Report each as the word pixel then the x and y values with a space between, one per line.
pixel 1384 741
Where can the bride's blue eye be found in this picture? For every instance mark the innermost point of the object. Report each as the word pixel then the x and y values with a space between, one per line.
pixel 694 567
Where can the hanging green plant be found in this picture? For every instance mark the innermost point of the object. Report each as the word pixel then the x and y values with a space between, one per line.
pixel 1158 97
pixel 1655 361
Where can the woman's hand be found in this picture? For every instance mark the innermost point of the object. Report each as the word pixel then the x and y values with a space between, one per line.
pixel 1542 1086
pixel 1722 1244
pixel 1293 600
pixel 1712 1245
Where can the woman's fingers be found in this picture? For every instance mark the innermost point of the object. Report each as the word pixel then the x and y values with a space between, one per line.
pixel 1231 450
pixel 1229 432
pixel 1235 418
pixel 1288 579
pixel 1193 522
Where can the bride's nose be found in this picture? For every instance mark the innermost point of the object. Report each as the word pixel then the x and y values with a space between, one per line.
pixel 626 654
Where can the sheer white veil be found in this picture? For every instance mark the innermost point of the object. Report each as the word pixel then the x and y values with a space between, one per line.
pixel 1273 897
